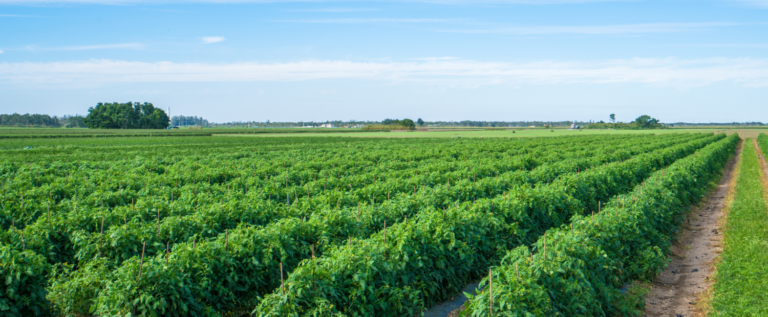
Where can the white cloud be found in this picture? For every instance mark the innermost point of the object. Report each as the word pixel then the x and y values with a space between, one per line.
pixel 599 29
pixel 1 52
pixel 17 15
pixel 465 73
pixel 444 58
pixel 134 46
pixel 371 20
pixel 32 48
pixel 212 39
pixel 336 10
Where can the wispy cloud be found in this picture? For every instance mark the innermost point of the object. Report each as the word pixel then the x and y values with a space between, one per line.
pixel 1 52
pixel 598 29
pixel 371 20
pixel 465 73
pixel 17 15
pixel 444 58
pixel 726 45
pixel 336 10
pixel 212 39
pixel 134 46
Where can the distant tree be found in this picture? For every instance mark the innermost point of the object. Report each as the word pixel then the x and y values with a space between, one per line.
pixel 646 122
pixel 613 117
pixel 128 115
pixel 36 120
pixel 408 123
pixel 420 122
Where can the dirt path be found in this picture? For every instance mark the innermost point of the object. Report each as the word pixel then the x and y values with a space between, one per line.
pixel 676 290
pixel 764 164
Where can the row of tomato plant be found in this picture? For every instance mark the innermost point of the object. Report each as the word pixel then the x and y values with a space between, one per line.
pixel 119 184
pixel 87 215
pixel 71 236
pixel 410 272
pixel 219 279
pixel 324 227
pixel 584 266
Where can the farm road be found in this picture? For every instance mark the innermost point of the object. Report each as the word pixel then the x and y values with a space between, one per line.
pixel 677 290
pixel 764 165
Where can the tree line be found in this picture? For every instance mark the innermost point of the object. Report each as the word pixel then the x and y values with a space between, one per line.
pixel 186 121
pixel 642 122
pixel 41 120
pixel 129 115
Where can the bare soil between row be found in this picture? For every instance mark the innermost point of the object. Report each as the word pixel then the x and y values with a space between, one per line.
pixel 678 290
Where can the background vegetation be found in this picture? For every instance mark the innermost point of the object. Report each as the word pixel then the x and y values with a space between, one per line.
pixel 129 115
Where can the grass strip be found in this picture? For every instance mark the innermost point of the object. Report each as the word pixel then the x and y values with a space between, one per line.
pixel 741 287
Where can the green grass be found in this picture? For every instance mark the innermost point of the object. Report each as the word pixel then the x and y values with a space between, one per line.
pixel 741 287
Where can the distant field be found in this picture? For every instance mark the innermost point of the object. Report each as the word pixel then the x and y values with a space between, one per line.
pixel 15 133
pixel 494 133
pixel 12 132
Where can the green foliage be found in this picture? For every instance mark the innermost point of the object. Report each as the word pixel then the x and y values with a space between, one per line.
pixel 741 287
pixel 230 210
pixel 128 115
pixel 22 291
pixel 393 124
pixel 41 120
pixel 642 122
pixel 582 268
pixel 431 258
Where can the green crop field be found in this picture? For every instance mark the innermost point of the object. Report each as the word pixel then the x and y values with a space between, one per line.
pixel 312 225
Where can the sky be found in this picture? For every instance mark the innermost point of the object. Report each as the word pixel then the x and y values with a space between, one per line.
pixel 440 60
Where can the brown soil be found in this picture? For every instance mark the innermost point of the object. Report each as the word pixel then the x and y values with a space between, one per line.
pixel 765 168
pixel 678 289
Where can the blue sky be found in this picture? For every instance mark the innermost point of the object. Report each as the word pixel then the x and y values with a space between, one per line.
pixel 677 60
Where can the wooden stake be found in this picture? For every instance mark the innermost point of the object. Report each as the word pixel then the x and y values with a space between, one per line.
pixel 282 284
pixel 545 246
pixel 48 207
pixel 385 232
pixel 313 268
pixel 226 239
pixel 167 246
pixel 517 270
pixel 141 263
pixel 101 234
pixel 490 278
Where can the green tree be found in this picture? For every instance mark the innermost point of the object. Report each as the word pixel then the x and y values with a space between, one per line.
pixel 646 122
pixel 420 122
pixel 129 115
pixel 613 117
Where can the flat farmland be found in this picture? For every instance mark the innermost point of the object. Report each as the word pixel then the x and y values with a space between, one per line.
pixel 329 226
